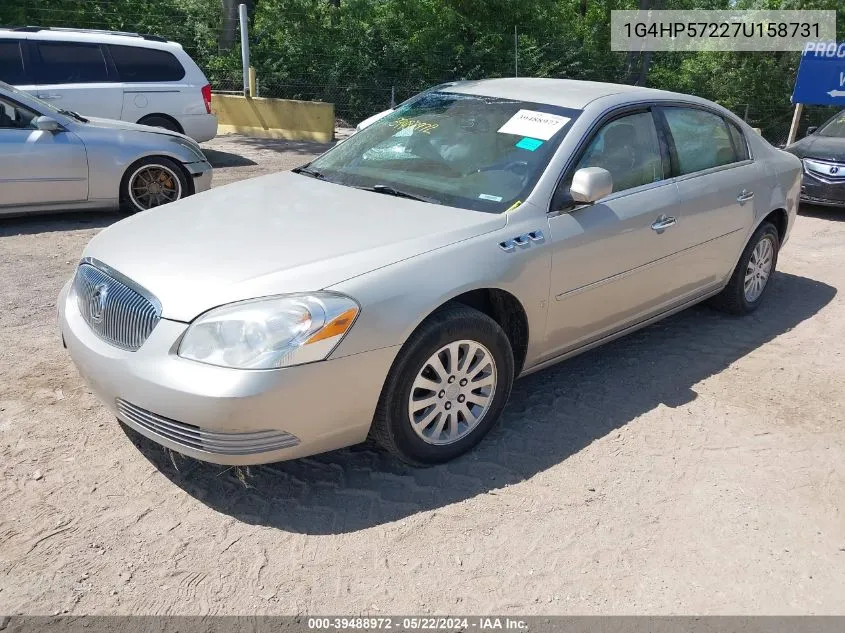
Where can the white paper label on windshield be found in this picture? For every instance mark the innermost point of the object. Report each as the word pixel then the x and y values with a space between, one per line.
pixel 534 124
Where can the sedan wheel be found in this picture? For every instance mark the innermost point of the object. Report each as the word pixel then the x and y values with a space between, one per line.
pixel 447 387
pixel 758 270
pixel 750 279
pixel 152 182
pixel 452 392
pixel 154 185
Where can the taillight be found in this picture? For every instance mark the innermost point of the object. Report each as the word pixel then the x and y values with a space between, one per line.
pixel 206 96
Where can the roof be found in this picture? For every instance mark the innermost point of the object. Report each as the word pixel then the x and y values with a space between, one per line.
pixel 566 93
pixel 86 35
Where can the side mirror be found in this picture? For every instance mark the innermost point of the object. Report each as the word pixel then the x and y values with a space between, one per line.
pixel 46 124
pixel 590 184
pixel 812 129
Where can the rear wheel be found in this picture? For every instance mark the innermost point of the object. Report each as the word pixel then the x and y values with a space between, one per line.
pixel 152 182
pixel 155 120
pixel 750 279
pixel 446 389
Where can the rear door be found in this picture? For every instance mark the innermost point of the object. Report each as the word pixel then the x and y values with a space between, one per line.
pixel 76 76
pixel 718 186
pixel 152 82
pixel 38 167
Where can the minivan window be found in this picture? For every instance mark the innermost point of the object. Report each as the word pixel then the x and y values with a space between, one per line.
pixel 629 149
pixel 11 62
pixel 136 64
pixel 70 63
pixel 701 139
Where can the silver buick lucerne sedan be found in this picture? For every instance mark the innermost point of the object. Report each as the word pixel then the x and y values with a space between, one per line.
pixel 395 286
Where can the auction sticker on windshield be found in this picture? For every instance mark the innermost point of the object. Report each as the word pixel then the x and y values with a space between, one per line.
pixel 533 124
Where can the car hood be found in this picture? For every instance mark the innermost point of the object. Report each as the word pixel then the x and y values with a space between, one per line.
pixel 272 235
pixel 821 147
pixel 126 126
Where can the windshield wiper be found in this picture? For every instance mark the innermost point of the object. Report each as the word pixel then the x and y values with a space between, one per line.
pixel 390 191
pixel 307 171
pixel 74 115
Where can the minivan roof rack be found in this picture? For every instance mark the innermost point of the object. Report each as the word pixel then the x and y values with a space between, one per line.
pixel 35 29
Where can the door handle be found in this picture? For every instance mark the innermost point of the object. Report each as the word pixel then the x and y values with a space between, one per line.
pixel 663 222
pixel 50 96
pixel 744 196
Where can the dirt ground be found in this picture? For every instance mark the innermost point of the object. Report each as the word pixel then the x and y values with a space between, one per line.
pixel 695 467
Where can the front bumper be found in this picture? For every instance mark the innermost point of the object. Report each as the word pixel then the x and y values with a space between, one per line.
pixel 227 416
pixel 201 173
pixel 815 191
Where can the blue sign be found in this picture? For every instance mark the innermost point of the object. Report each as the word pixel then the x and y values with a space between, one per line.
pixel 821 75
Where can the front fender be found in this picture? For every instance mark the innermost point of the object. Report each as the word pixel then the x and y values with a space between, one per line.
pixel 397 298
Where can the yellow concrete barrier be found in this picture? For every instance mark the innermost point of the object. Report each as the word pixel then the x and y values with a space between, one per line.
pixel 274 118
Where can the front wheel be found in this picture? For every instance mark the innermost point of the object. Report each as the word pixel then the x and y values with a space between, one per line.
pixel 152 182
pixel 750 279
pixel 446 389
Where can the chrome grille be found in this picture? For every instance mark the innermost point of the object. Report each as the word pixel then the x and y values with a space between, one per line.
pixel 190 436
pixel 117 310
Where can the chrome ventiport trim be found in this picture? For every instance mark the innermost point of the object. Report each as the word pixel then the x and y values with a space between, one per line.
pixel 194 438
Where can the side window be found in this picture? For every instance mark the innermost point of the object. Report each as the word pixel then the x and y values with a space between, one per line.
pixel 629 149
pixel 136 64
pixel 15 117
pixel 11 63
pixel 740 145
pixel 71 63
pixel 701 139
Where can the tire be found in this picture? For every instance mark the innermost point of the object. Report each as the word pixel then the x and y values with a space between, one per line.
pixel 161 121
pixel 474 410
pixel 173 185
pixel 734 299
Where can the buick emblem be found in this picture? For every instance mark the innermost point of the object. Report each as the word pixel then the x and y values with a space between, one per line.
pixel 834 170
pixel 98 302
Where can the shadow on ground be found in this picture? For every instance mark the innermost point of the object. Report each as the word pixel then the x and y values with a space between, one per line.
pixel 220 159
pixel 551 415
pixel 48 222
pixel 835 214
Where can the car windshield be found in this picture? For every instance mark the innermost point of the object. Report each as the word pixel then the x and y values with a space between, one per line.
pixel 834 127
pixel 459 150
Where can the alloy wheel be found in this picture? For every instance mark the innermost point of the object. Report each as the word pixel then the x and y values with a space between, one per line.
pixel 452 392
pixel 759 269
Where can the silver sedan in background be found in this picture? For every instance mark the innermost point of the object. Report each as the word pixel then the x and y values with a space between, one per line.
pixel 56 160
pixel 395 286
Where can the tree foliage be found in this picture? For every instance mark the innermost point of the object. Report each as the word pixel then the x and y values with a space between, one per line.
pixel 357 53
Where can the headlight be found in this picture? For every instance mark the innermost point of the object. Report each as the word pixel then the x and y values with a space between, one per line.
pixel 270 332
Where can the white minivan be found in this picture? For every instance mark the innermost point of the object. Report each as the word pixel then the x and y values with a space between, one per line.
pixel 137 78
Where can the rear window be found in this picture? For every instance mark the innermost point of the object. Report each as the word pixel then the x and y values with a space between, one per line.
pixel 11 63
pixel 136 64
pixel 70 63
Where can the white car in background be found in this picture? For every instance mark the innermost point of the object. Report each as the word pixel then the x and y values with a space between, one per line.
pixel 136 78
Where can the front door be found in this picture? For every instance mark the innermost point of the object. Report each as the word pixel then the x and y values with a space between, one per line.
pixel 38 167
pixel 612 260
